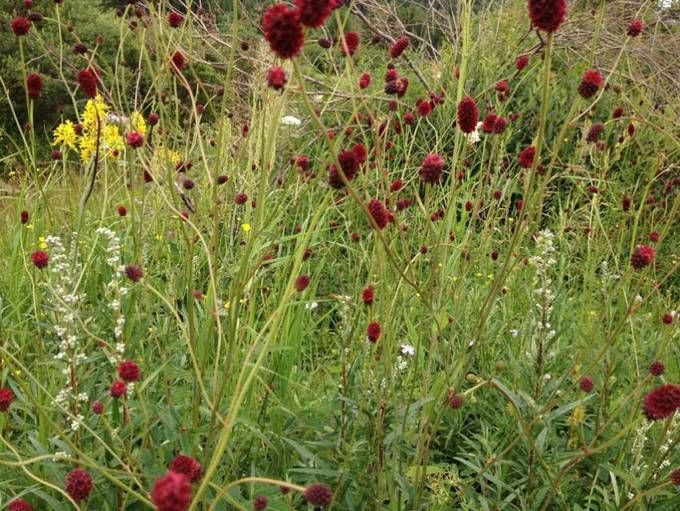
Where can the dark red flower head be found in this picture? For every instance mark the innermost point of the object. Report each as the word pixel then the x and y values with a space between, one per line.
pixel 657 368
pixel 591 81
pixel 455 400
pixel 172 492
pixel 134 272
pixel 34 85
pixel 499 125
pixel 186 465
pixel 97 407
pixel 379 213
pixel 364 80
pixel 40 259
pixel 368 295
pixel 6 398
pixel 595 132
pixel 675 477
pixel 276 78
pixel 283 31
pixel 431 168
pixel 118 389
pixel 586 384
pixel 521 62
pixel 635 27
pixel 373 331
pixel 20 26
pixel 662 402
pixel 19 505
pixel 318 495
pixel 175 19
pixel 468 115
pixel 643 256
pixel 302 282
pixel 547 15
pixel 488 123
pixel 24 217
pixel 87 79
pixel 134 139
pixel 128 371
pixel 350 44
pixel 313 13
pixel 399 46
pixel 78 484
pixel 526 157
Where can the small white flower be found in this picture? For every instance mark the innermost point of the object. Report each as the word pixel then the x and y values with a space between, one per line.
pixel 407 349
pixel 311 306
pixel 289 120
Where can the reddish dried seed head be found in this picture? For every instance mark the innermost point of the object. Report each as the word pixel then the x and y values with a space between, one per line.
pixel 318 495
pixel 172 492
pixel 187 466
pixel 283 31
pixel 276 78
pixel 547 15
pixel 467 114
pixel 642 256
pixel 662 402
pixel 635 27
pixel 134 273
pixel 591 82
pixel 128 371
pixel 431 168
pixel 40 259
pixel 6 398
pixel 526 157
pixel 302 282
pixel 373 331
pixel 78 484
pixel 313 13
pixel 399 46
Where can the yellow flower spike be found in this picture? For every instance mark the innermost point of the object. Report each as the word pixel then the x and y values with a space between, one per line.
pixel 42 244
pixel 65 134
pixel 245 227
pixel 227 305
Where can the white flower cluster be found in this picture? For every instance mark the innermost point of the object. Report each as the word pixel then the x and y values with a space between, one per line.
pixel 115 290
pixel 543 261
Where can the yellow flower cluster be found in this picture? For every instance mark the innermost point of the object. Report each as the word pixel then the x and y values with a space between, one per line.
pixel 96 121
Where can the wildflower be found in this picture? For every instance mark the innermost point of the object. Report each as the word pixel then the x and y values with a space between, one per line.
pixel 260 503
pixel 662 402
pixel 364 81
pixel 138 123
pixel 368 295
pixel 468 115
pixel 424 108
pixel 118 389
pixel 591 81
pixel 246 228
pixel 586 384
pixel 87 79
pixel 526 157
pixel 667 318
pixel 78 484
pixel 547 15
pixel 97 407
pixel 675 477
pixel 24 217
pixel 643 256
pixel 325 43
pixel 153 118
pixel 240 198
pixel 172 492
pixel 302 282
pixel 187 466
pixel 128 371
pixel 349 44
pixel 499 125
pixel 282 30
pixel 6 398
pixel 431 168
pixel 521 62
pixel 399 46
pixel 177 61
pixel 134 272
pixel 34 85
pixel 455 400
pixel 276 78
pixel 378 213
pixel 313 13
pixel 373 331
pixel 20 26
pixel 594 132
pixel 635 27
pixel 318 495
pixel 175 19
pixel 19 505
pixel 134 139
pixel 40 259
pixel 290 120
pixel 407 349
pixel 122 211
pixel 656 368
pixel 488 123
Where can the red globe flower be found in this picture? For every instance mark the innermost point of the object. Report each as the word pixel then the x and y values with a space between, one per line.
pixel 318 495
pixel 6 398
pixel 87 79
pixel 662 402
pixel 175 19
pixel 24 217
pixel 350 44
pixel 675 477
pixel 187 466
pixel 20 26
pixel 302 282
pixel 177 61
pixel 667 318
pixel 260 503
pixel 547 15
pixel 635 27
pixel 40 259
pixel 368 295
pixel 128 371
pixel 364 81
pixel 521 62
pixel 118 389
pixel 431 168
pixel 97 407
pixel 586 384
pixel 399 46
pixel 591 81
pixel 373 331
pixel 78 484
pixel 283 31
pixel 276 78
pixel 172 492
pixel 133 272
pixel 499 125
pixel 34 85
pixel 488 123
pixel 526 157
pixel 468 115
pixel 379 213
pixel 313 13
pixel 643 256
pixel 424 108
pixel 656 368
pixel 455 400
pixel 595 132
pixel 134 139
pixel 19 505
pixel 122 210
